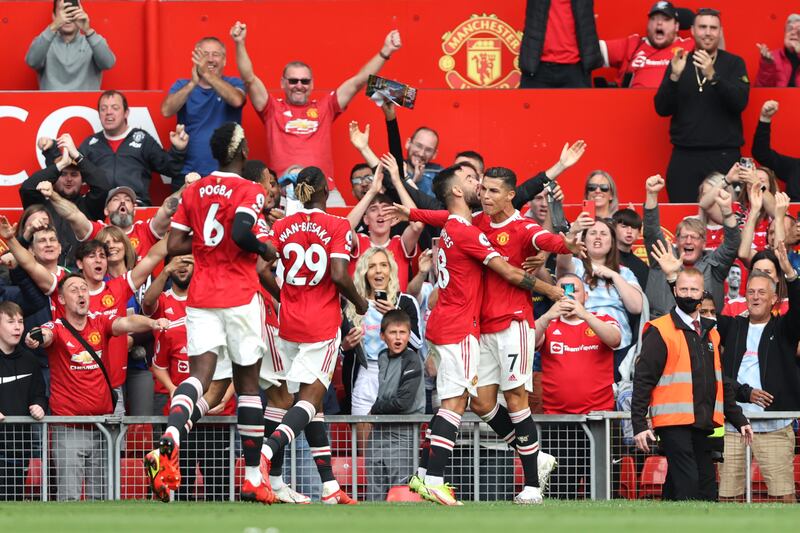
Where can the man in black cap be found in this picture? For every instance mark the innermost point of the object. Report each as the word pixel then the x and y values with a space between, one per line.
pixel 704 92
pixel 641 61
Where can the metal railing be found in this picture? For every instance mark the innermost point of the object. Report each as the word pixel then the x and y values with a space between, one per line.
pixel 101 458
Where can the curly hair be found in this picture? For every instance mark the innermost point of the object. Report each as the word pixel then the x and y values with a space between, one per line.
pixel 362 285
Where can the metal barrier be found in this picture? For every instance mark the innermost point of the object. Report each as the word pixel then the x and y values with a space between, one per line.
pixel 69 458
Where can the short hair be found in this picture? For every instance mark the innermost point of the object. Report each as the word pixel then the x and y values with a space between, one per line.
pixel 568 275
pixel 757 274
pixel 68 277
pixel 426 128
pixel 88 247
pixel 10 309
pixel 708 12
pixel 311 183
pixel 442 184
pixel 472 154
pixel 44 229
pixel 213 39
pixel 628 217
pixel 357 167
pixel 227 143
pixel 112 92
pixel 380 198
pixel 691 271
pixel 291 64
pixel 254 170
pixel 395 316
pixel 791 19
pixel 691 224
pixel 506 175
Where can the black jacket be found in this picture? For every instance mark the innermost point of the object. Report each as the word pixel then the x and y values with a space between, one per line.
pixel 650 367
pixel 133 163
pixel 402 385
pixel 786 168
pixel 21 383
pixel 536 15
pixel 711 118
pixel 90 204
pixel 35 307
pixel 778 363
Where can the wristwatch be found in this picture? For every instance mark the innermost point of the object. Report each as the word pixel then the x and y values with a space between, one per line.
pixel 78 160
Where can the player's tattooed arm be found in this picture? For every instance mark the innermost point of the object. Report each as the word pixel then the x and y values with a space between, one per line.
pixel 528 282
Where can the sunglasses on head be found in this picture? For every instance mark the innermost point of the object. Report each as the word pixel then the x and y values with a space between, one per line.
pixel 295 81
pixel 595 186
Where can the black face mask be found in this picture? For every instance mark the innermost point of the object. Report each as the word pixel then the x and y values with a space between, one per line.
pixel 688 305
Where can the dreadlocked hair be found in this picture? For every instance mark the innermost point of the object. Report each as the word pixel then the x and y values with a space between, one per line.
pixel 227 142
pixel 310 181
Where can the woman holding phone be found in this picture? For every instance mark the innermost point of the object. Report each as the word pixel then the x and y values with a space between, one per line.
pixel 600 195
pixel 376 279
pixel 610 287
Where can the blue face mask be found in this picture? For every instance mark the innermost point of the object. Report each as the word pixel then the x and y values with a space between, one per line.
pixel 290 191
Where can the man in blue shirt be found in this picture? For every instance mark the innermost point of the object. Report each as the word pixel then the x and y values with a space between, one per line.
pixel 203 103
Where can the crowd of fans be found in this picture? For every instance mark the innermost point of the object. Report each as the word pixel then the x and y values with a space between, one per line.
pixel 78 244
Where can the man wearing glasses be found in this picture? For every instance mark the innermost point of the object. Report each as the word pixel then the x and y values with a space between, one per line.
pixel 203 103
pixel 299 127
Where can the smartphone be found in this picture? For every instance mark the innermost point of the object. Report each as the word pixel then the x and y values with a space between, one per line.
pixel 434 242
pixel 569 290
pixel 380 295
pixel 590 208
pixel 37 335
pixel 746 162
pixel 72 3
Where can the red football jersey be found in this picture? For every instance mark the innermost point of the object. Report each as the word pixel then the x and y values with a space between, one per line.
pixel 172 307
pixel 515 239
pixel 56 308
pixel 399 253
pixel 577 368
pixel 224 274
pixel 77 385
pixel 306 242
pixel 171 355
pixel 301 135
pixel 141 235
pixel 111 299
pixel 738 307
pixel 715 234
pixel 463 251
pixel 635 54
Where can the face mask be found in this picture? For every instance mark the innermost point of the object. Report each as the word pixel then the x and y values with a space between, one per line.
pixel 290 191
pixel 688 305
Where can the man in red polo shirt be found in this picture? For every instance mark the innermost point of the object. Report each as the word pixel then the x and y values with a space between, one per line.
pixel 577 349
pixel 78 386
pixel 299 127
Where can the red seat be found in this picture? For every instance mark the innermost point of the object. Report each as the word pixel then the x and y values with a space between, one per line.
pixel 340 437
pixel 760 492
pixel 627 478
pixel 654 474
pixel 139 440
pixel 797 473
pixel 519 474
pixel 33 479
pixel 401 493
pixel 133 482
pixel 343 472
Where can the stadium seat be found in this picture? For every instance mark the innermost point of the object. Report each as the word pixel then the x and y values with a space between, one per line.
pixel 627 478
pixel 33 479
pixel 401 493
pixel 654 474
pixel 340 438
pixel 133 483
pixel 343 472
pixel 760 492
pixel 139 440
pixel 797 473
pixel 519 474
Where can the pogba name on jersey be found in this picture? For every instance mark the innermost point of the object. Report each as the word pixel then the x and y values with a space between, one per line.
pixel 308 227
pixel 215 190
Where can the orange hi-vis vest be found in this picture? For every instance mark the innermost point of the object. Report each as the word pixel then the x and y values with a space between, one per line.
pixel 672 402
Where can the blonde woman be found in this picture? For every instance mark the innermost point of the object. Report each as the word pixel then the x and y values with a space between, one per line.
pixel 121 254
pixel 376 279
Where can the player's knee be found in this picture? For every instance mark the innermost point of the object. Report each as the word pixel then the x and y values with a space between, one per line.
pixel 480 406
pixel 516 399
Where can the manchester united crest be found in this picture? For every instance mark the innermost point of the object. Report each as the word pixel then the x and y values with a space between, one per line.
pixel 312 112
pixel 108 300
pixel 488 44
pixel 94 338
pixel 589 332
pixel 502 238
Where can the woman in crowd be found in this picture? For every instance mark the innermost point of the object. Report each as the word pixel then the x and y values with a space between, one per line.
pixel 610 287
pixel 376 279
pixel 602 190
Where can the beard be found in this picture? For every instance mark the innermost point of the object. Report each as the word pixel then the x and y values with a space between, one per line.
pixel 181 284
pixel 121 220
